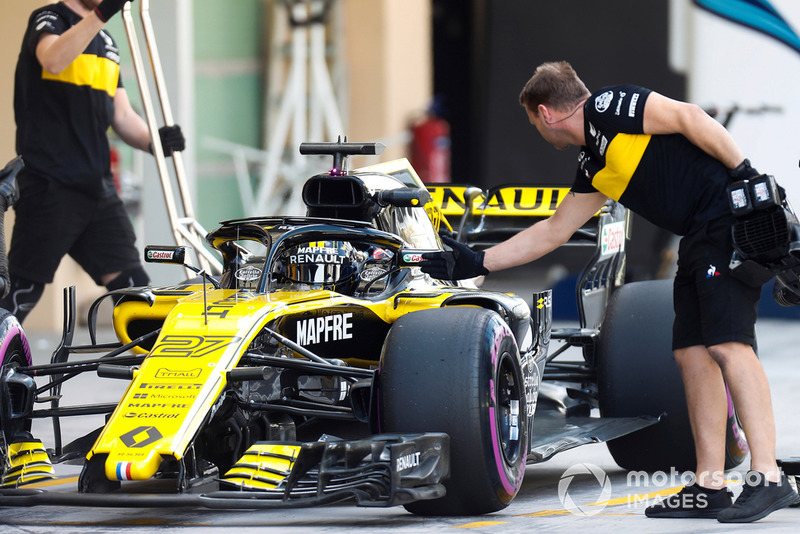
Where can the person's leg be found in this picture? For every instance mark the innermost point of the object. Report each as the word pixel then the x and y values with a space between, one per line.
pixel 766 489
pixel 22 297
pixel 48 219
pixel 707 402
pixel 127 278
pixel 111 232
pixel 749 388
pixel 706 398
pixel 729 308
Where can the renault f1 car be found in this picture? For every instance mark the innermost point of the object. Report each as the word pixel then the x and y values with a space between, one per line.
pixel 321 365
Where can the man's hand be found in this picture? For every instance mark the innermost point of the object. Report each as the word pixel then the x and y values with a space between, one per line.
pixel 109 8
pixel 743 171
pixel 172 139
pixel 456 264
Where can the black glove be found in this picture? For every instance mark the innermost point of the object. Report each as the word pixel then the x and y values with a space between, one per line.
pixel 461 262
pixel 172 139
pixel 109 8
pixel 743 171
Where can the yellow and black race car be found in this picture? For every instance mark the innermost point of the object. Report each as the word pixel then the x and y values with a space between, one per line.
pixel 321 365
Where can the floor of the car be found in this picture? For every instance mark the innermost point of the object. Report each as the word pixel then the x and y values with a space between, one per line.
pixel 554 433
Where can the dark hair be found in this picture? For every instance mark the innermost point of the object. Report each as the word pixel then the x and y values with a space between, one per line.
pixel 554 84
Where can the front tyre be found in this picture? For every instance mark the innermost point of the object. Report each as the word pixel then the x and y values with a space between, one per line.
pixel 458 370
pixel 14 352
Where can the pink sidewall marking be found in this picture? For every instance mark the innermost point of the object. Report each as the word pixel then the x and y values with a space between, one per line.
pixel 509 486
pixel 730 401
pixel 741 442
pixel 498 328
pixel 14 330
pixel 498 460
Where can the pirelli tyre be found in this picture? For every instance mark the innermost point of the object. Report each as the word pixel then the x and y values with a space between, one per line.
pixel 14 352
pixel 637 375
pixel 458 370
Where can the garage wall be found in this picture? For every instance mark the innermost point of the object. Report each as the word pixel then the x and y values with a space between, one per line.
pixel 219 92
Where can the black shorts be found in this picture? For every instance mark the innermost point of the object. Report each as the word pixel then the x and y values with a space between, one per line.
pixel 711 306
pixel 52 221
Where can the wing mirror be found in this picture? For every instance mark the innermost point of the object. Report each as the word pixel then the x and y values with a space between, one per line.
pixel 175 255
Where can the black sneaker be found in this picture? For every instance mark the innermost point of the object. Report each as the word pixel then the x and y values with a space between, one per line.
pixel 692 501
pixel 758 499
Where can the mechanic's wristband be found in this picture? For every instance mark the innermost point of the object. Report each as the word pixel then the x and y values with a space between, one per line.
pixel 742 171
pixel 479 268
pixel 108 8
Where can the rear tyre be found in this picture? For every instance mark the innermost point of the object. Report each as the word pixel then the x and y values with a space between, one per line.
pixel 637 375
pixel 458 371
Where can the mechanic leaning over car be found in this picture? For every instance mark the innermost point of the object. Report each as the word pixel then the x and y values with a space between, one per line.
pixel 68 91
pixel 670 162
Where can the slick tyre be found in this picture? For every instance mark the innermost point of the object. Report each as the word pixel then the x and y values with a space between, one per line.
pixel 14 352
pixel 637 375
pixel 458 371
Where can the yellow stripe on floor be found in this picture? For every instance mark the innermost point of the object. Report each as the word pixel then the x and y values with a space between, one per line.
pixel 56 482
pixel 479 524
pixel 637 498
pixel 545 513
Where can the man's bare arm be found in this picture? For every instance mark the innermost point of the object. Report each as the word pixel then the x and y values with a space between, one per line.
pixel 547 235
pixel 664 115
pixel 127 124
pixel 56 52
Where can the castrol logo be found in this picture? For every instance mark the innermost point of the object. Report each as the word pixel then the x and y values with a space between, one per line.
pixel 160 254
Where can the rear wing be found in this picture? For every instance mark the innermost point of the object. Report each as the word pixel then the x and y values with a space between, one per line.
pixel 500 212
pixel 496 214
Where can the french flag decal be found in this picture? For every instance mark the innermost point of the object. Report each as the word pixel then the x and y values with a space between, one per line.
pixel 124 471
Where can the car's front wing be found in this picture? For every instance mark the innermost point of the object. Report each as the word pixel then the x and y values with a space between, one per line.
pixel 383 470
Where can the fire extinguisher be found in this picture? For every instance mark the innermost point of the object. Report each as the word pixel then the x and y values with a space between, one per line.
pixel 430 147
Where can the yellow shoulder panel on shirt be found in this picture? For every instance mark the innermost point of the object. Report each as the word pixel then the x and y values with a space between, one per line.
pixel 98 72
pixel 622 157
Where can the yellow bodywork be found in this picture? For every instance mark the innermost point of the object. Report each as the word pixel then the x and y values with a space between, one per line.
pixel 185 372
pixel 26 462
pixel 205 332
pixel 263 466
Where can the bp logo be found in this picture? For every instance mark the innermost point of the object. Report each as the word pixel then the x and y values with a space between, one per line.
pixel 584 470
pixel 140 437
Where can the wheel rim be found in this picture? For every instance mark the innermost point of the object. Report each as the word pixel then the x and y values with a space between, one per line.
pixel 508 416
pixel 14 358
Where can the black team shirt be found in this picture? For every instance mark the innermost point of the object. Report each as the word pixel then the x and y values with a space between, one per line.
pixel 63 119
pixel 664 178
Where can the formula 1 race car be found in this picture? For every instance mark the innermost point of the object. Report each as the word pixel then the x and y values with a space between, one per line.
pixel 322 365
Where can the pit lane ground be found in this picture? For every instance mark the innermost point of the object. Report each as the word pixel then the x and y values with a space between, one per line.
pixel 579 490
